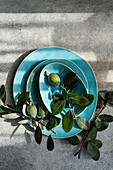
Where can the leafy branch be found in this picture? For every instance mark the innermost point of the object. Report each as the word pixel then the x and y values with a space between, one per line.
pixel 35 115
pixel 39 117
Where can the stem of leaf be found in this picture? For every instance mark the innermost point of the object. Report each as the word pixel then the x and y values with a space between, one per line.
pixel 72 108
pixel 45 125
pixel 62 87
pixel 11 108
pixel 91 126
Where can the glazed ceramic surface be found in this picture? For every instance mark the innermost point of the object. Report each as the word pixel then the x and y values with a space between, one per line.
pixel 39 56
pixel 46 90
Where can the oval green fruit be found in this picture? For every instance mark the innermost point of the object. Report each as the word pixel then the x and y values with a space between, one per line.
pixel 41 112
pixel 54 79
pixel 32 111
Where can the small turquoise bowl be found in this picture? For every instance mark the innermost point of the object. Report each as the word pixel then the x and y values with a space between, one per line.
pixel 47 90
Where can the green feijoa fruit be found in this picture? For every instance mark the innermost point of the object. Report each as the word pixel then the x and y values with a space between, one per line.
pixel 32 111
pixel 54 79
pixel 41 112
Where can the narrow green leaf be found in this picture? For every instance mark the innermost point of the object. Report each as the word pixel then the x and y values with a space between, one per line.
pixel 24 110
pixel 68 121
pixel 2 91
pixel 24 122
pixel 50 124
pixel 42 111
pixel 57 97
pixel 110 97
pixel 93 151
pixel 11 116
pixel 101 103
pixel 68 78
pixel 22 99
pixel 106 118
pixel 73 84
pixel 101 125
pixel 83 123
pixel 90 97
pixel 82 133
pixel 58 107
pixel 38 135
pixel 7 109
pixel 103 94
pixel 3 112
pixel 64 94
pixel 1 103
pixel 80 101
pixel 57 120
pixel 77 153
pixel 4 98
pixel 73 140
pixel 98 143
pixel 93 134
pixel 50 143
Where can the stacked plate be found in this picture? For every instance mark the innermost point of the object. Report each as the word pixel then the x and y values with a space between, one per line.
pixel 30 76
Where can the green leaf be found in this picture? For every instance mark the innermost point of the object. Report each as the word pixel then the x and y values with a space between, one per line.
pixel 103 94
pixel 90 97
pixel 24 122
pixel 1 103
pixel 58 107
pixel 50 124
pixel 98 143
pixel 22 99
pixel 68 121
pixel 93 151
pixel 38 135
pixel 73 84
pixel 101 103
pixel 73 140
pixel 77 153
pixel 50 143
pixel 82 133
pixel 106 118
pixel 110 97
pixel 41 112
pixel 57 120
pixel 4 98
pixel 64 94
pixel 57 97
pixel 11 115
pixel 2 91
pixel 101 125
pixel 3 112
pixel 83 123
pixel 93 134
pixel 68 78
pixel 80 101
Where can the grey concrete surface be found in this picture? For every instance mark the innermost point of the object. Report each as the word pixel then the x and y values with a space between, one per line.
pixel 87 32
pixel 55 6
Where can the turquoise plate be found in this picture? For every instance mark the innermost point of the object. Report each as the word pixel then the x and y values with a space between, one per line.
pixel 33 83
pixel 46 90
pixel 36 57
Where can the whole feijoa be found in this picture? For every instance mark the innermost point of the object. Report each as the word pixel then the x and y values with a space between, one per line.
pixel 32 110
pixel 41 112
pixel 54 79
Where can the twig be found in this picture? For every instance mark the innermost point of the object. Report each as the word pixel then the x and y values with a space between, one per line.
pixel 45 125
pixel 91 126
pixel 72 108
pixel 11 108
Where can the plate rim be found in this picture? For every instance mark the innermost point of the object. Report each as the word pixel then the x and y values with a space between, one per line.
pixel 69 69
pixel 73 52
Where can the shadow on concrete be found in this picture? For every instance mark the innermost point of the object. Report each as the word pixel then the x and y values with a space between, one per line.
pixel 10 77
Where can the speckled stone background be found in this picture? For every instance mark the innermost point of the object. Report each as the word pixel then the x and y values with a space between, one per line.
pixel 85 27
